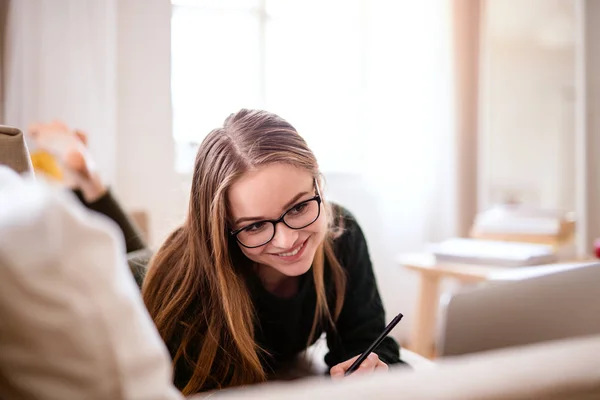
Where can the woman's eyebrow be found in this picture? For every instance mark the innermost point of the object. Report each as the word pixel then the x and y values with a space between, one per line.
pixel 295 199
pixel 287 205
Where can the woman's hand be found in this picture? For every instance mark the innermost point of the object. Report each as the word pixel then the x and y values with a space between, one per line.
pixel 70 147
pixel 372 363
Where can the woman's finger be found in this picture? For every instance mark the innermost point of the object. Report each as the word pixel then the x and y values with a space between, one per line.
pixel 338 371
pixel 367 366
pixel 381 366
pixel 370 364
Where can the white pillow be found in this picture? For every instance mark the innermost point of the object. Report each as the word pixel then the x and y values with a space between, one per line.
pixel 72 322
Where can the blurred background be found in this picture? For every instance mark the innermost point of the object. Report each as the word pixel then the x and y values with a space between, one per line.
pixel 422 113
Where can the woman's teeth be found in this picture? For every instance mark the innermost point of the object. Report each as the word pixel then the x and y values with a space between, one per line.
pixel 292 253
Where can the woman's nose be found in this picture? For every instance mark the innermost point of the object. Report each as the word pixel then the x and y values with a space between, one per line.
pixel 284 237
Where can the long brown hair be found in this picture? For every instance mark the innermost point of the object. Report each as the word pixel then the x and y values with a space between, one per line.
pixel 195 289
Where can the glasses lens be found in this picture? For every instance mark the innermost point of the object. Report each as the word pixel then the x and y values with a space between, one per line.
pixel 256 234
pixel 302 214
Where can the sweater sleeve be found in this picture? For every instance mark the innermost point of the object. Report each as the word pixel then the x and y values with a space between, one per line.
pixel 109 206
pixel 362 318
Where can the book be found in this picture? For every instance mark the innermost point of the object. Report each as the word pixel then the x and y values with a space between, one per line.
pixel 493 252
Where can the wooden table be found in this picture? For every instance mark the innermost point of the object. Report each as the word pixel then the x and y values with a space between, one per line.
pixel 431 272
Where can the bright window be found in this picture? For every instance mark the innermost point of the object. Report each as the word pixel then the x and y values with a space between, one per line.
pixel 303 60
pixel 357 78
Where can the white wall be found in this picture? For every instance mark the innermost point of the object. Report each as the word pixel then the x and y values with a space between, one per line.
pixel 528 102
pixel 146 177
pixel 529 106
pixel 60 58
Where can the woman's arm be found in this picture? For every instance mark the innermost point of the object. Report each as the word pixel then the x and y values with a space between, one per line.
pixel 70 148
pixel 103 202
pixel 362 318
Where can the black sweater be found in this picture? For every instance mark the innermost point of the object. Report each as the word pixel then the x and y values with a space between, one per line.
pixel 284 324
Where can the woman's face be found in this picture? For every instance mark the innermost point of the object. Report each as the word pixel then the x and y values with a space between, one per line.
pixel 265 194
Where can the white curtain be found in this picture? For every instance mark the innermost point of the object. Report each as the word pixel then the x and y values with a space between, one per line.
pixel 60 64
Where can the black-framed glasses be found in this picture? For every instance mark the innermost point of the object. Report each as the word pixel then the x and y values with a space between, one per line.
pixel 299 216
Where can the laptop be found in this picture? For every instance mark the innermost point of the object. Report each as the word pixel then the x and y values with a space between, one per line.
pixel 539 307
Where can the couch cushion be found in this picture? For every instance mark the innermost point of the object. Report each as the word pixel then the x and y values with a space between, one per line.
pixel 73 324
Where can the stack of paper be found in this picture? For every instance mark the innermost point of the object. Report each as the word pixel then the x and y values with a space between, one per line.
pixel 491 252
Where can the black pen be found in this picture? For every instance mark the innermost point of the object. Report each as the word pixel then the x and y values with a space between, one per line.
pixel 373 346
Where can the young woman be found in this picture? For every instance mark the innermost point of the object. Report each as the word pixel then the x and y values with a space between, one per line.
pixel 262 265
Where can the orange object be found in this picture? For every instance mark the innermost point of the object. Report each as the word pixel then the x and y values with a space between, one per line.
pixel 46 164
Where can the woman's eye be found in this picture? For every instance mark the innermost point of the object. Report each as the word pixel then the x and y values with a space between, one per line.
pixel 257 227
pixel 299 208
